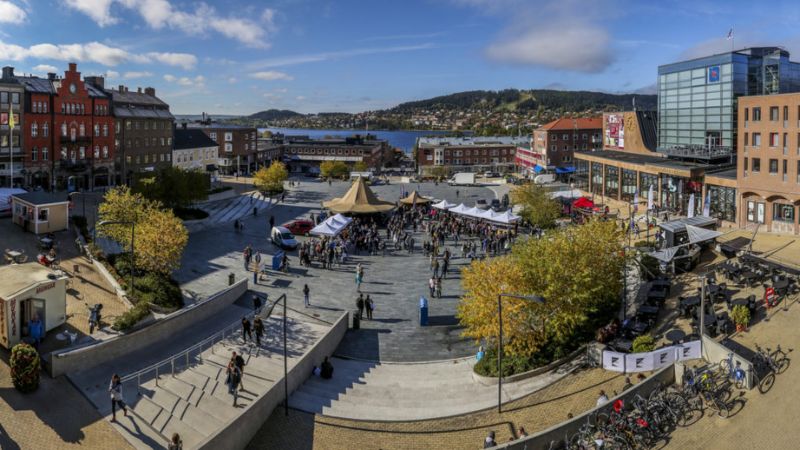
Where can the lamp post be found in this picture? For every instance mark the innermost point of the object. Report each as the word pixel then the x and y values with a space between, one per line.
pixel 529 298
pixel 133 235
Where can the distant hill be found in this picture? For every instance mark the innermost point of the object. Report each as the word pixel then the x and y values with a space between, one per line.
pixel 530 100
pixel 274 114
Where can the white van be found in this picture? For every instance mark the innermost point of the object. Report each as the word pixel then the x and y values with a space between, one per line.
pixel 544 178
pixel 5 200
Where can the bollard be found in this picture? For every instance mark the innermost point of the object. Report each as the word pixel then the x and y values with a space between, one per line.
pixel 231 279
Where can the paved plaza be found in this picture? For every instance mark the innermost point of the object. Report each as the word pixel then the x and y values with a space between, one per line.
pixel 395 281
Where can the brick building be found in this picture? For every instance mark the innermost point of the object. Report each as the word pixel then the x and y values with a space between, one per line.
pixel 238 146
pixel 304 155
pixel 553 145
pixel 467 154
pixel 11 102
pixel 768 162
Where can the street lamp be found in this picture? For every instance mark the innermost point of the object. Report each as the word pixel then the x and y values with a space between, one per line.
pixel 133 235
pixel 528 298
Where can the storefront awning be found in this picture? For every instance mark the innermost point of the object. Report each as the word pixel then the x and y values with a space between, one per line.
pixel 563 170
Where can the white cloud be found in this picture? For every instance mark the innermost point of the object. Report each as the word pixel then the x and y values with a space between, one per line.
pixel 327 56
pixel 160 14
pixel 232 80
pixel 11 13
pixel 271 75
pixel 170 78
pixel 280 90
pixel 300 98
pixel 45 68
pixel 568 46
pixel 95 52
pixel 198 81
pixel 112 74
pixel 133 75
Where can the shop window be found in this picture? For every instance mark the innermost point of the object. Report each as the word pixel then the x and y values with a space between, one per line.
pixel 782 212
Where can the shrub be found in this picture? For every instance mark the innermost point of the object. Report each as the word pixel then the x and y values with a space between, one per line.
pixel 643 344
pixel 741 315
pixel 131 317
pixel 159 290
pixel 25 366
pixel 487 366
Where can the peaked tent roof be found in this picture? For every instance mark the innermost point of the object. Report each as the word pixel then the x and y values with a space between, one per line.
pixel 444 205
pixel 697 234
pixel 358 200
pixel 415 198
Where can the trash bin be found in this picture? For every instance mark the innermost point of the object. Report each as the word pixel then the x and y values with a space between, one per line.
pixel 423 311
pixel 231 279
pixel 276 260
pixel 356 320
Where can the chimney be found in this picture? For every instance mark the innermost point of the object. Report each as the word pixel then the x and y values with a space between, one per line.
pixel 139 90
pixel 121 88
pixel 8 72
pixel 51 76
pixel 98 82
pixel 73 67
pixel 150 91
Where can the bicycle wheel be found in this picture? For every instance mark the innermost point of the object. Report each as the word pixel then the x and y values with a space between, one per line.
pixel 722 409
pixel 781 362
pixel 766 382
pixel 724 368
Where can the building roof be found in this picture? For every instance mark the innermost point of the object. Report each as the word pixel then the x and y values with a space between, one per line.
pixel 567 123
pixel 95 91
pixel 637 158
pixel 36 84
pixel 728 173
pixel 21 277
pixel 218 126
pixel 41 198
pixel 192 138
pixel 142 113
pixel 135 98
pixel 468 141
pixel 359 199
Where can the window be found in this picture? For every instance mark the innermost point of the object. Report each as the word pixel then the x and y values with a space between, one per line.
pixel 127 124
pixel 746 139
pixel 146 158
pixel 745 166
pixel 228 147
pixel 128 159
pixel 63 152
pixel 117 127
pixel 565 137
pixel 43 215
pixel 756 114
pixel 228 137
pixel 756 139
pixel 773 166
pixel 45 156
pixel 15 98
pixel 773 139
pixel 34 153
pixel 785 113
pixel 34 130
pixel 169 157
pixel 64 129
pixel 785 167
pixel 136 143
pixel 163 142
pixel 82 108
pixel 82 130
pixel 146 125
pixel 213 136
pixel 136 125
pixel 105 130
pixel 44 107
pixel 3 98
pixel 169 141
pixel 105 151
pixel 773 113
pixel 45 130
pixel 82 152
pixel 782 212
pixel 97 130
pixel 756 164
pixel 96 152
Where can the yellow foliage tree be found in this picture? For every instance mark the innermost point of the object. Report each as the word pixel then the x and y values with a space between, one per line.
pixel 333 169
pixel 578 271
pixel 538 207
pixel 270 179
pixel 360 166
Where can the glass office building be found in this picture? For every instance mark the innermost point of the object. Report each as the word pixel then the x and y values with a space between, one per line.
pixel 697 98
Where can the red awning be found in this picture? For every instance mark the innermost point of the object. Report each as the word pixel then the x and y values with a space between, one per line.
pixel 583 202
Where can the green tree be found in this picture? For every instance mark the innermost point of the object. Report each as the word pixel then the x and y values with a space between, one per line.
pixel 270 179
pixel 538 207
pixel 333 169
pixel 360 166
pixel 174 187
pixel 439 172
pixel 577 270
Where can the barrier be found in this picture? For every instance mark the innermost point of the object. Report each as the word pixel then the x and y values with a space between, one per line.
pixel 237 433
pixel 650 361
pixel 86 357
pixel 714 352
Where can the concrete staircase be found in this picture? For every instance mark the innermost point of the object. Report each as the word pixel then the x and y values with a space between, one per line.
pixel 195 402
pixel 415 391
pixel 228 210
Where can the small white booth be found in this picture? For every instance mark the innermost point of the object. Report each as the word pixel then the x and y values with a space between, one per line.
pixel 29 289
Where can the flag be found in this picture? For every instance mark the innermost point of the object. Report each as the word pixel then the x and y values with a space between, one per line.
pixel 11 122
pixel 690 212
pixel 650 198
pixel 707 205
pixel 730 34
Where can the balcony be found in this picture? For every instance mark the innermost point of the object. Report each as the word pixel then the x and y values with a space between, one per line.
pixel 75 139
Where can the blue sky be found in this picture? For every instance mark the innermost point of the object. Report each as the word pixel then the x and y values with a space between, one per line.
pixel 240 56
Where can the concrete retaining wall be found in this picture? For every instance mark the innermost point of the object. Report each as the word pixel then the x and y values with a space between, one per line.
pixel 240 431
pixel 557 433
pixel 86 357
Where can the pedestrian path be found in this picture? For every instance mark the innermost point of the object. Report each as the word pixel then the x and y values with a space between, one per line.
pixel 194 400
pixel 228 210
pixel 363 390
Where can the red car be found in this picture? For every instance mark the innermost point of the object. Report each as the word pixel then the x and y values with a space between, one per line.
pixel 299 227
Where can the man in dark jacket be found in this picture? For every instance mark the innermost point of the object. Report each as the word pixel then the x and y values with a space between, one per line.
pixel 360 304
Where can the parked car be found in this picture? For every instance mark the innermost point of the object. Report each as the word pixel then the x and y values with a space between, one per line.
pixel 481 204
pixel 299 227
pixel 495 204
pixel 283 238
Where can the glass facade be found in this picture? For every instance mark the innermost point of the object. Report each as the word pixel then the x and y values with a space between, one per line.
pixel 723 202
pixel 783 212
pixel 582 174
pixel 645 181
pixel 697 98
pixel 597 178
pixel 612 182
pixel 628 184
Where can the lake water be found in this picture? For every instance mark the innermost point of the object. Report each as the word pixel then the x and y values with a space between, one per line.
pixel 404 139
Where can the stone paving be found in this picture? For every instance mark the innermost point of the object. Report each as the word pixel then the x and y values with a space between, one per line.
pixel 395 282
pixel 574 394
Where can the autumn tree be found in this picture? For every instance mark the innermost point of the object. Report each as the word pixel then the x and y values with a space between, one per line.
pixel 160 236
pixel 578 271
pixel 360 166
pixel 270 179
pixel 439 172
pixel 333 169
pixel 538 207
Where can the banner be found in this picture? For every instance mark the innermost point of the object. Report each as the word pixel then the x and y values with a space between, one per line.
pixel 657 359
pixel 614 361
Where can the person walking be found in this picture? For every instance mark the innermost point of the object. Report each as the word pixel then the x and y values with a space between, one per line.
pixel 370 306
pixel 258 327
pixel 360 304
pixel 247 253
pixel 233 379
pixel 445 264
pixel 246 330
pixel 256 303
pixel 305 296
pixel 238 362
pixel 271 222
pixel 175 443
pixel 439 287
pixel 115 389
pixel 436 267
pixel 432 286
pixel 489 442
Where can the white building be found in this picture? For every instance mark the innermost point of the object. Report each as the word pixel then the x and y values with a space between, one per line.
pixel 194 150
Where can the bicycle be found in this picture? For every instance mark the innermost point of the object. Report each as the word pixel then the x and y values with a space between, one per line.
pixel 777 360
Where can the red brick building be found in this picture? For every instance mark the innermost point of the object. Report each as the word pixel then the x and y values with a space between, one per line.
pixel 553 145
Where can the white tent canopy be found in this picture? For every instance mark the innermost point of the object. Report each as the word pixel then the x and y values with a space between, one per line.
pixel 331 226
pixel 697 234
pixel 444 205
pixel 459 209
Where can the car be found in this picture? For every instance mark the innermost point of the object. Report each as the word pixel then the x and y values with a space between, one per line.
pixel 487 174
pixel 481 204
pixel 283 238
pixel 495 204
pixel 299 227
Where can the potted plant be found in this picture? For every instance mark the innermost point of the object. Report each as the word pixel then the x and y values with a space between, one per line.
pixel 643 344
pixel 741 317
pixel 25 368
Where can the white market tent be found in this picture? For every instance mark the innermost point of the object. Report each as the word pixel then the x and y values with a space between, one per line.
pixel 331 226
pixel 506 217
pixel 459 209
pixel 443 205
